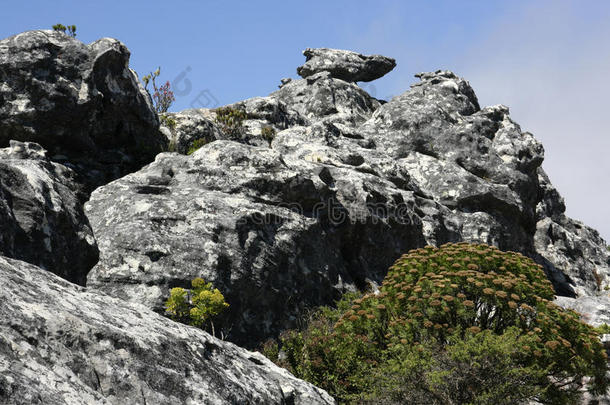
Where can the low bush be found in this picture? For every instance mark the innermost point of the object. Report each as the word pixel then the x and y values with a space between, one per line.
pixel 231 120
pixel 456 324
pixel 168 121
pixel 197 143
pixel 268 134
pixel 62 28
pixel 196 307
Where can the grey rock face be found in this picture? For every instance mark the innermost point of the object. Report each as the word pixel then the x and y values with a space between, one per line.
pixel 322 97
pixel 595 310
pixel 80 102
pixel 267 112
pixel 41 219
pixel 345 65
pixel 575 252
pixel 63 344
pixel 485 170
pixel 276 235
pixel 432 155
pixel 191 125
pixel 261 112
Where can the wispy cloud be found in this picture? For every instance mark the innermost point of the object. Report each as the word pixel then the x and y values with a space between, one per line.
pixel 549 63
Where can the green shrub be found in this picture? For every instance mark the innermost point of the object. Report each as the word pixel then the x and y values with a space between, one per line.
pixel 441 320
pixel 62 28
pixel 168 121
pixel 197 143
pixel 268 134
pixel 231 120
pixel 603 329
pixel 482 368
pixel 196 307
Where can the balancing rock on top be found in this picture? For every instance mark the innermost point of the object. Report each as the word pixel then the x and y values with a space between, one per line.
pixel 345 65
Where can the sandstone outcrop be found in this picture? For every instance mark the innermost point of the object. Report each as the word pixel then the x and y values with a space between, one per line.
pixel 63 344
pixel 428 167
pixel 41 218
pixel 277 235
pixel 320 190
pixel 81 102
pixel 345 65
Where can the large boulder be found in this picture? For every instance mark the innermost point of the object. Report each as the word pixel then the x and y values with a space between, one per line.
pixel 322 97
pixel 458 172
pixel 277 235
pixel 184 128
pixel 80 102
pixel 486 174
pixel 41 219
pixel 345 65
pixel 63 344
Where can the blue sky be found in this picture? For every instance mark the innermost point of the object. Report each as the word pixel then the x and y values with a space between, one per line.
pixel 547 60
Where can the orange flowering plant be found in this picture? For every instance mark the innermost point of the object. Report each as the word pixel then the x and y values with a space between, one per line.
pixel 435 305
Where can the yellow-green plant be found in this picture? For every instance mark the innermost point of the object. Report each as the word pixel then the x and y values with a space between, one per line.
pixel 231 120
pixel 62 28
pixel 198 306
pixel 268 134
pixel 197 143
pixel 438 308
pixel 603 329
pixel 168 121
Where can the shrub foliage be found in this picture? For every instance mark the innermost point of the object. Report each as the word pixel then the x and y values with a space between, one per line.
pixel 197 307
pixel 231 120
pixel 62 28
pixel 268 134
pixel 457 324
pixel 196 144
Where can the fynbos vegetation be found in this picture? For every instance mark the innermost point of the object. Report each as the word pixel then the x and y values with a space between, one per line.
pixel 457 324
pixel 62 28
pixel 231 120
pixel 198 306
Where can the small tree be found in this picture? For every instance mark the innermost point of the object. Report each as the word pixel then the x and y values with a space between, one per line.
pixel 198 306
pixel 62 28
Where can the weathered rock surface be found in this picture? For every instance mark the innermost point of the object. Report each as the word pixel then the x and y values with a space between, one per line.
pixel 41 218
pixel 595 310
pixel 190 126
pixel 322 97
pixel 261 112
pixel 432 155
pixel 63 344
pixel 576 253
pixel 276 235
pixel 266 112
pixel 345 65
pixel 80 102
